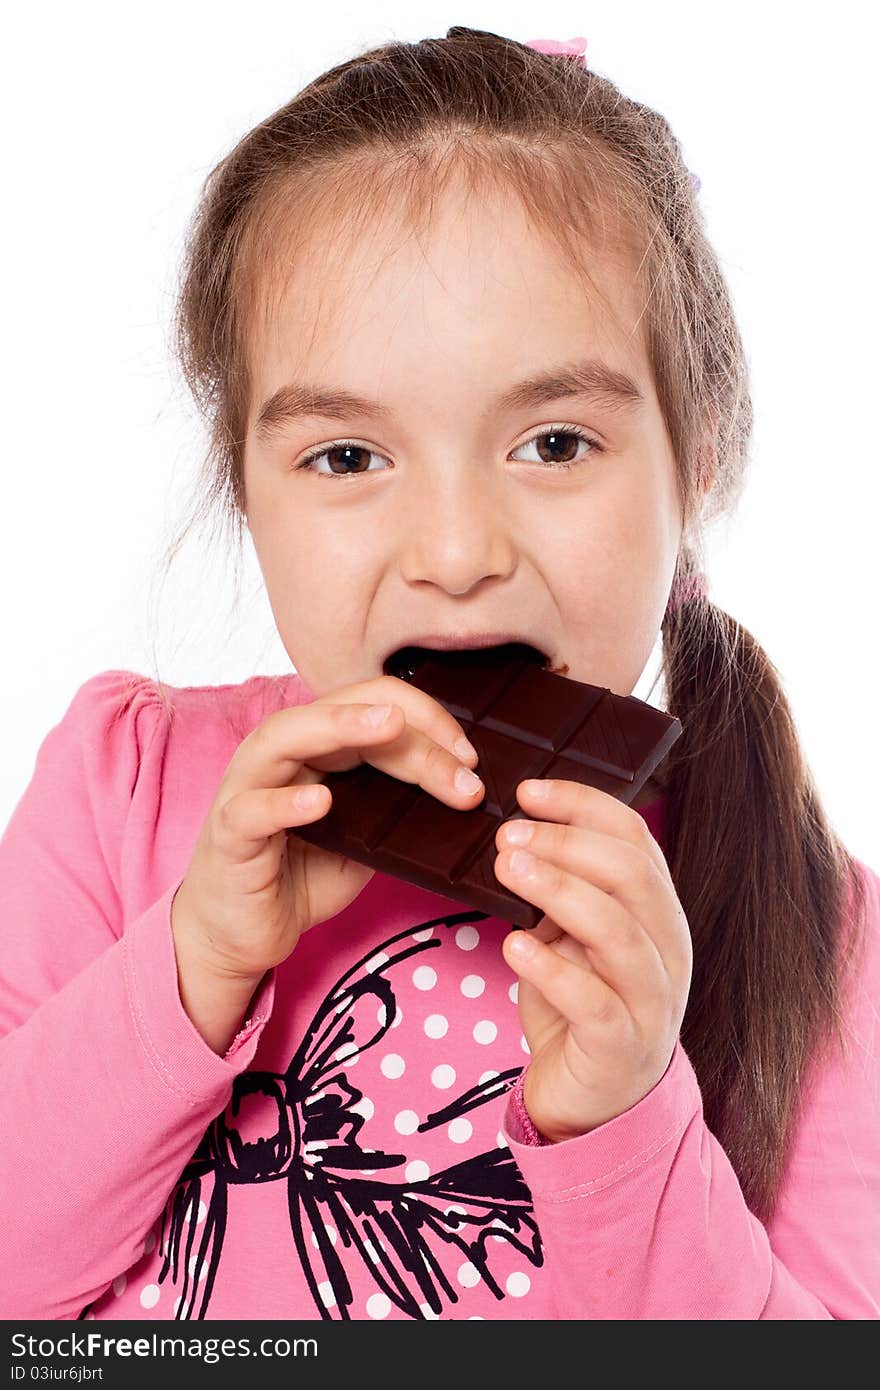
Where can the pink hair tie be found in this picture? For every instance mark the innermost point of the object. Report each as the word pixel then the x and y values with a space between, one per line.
pixel 688 587
pixel 566 48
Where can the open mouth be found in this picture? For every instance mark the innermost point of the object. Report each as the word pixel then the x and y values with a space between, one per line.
pixel 406 660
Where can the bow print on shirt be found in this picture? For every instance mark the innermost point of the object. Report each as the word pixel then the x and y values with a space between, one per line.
pixel 395 1229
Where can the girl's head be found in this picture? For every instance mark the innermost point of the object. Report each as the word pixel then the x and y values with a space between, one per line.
pixel 441 300
pixel 436 228
pixel 441 229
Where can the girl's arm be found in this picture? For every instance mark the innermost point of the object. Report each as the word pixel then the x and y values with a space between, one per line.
pixel 106 1086
pixel 644 1217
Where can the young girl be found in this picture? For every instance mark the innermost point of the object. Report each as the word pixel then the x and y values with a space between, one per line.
pixel 472 374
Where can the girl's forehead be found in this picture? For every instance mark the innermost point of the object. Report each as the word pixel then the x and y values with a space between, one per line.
pixel 480 263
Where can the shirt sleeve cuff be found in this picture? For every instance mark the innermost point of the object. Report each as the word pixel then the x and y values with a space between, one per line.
pixel 260 1009
pixel 607 1154
pixel 173 1045
pixel 520 1120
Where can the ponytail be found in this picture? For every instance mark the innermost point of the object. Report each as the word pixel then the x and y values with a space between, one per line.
pixel 764 883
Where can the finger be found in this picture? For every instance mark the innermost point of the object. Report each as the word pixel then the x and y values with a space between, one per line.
pixel 420 708
pixel 249 818
pixel 618 948
pixel 617 866
pixel 582 997
pixel 414 757
pixel 548 930
pixel 575 803
pixel 330 737
pixel 273 753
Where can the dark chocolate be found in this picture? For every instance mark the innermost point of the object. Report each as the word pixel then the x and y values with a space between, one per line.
pixel 524 721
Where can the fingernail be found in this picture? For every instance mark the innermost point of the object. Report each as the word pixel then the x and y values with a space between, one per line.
pixel 463 749
pixel 376 715
pixel 465 780
pixel 307 797
pixel 539 790
pixel 522 946
pixel 522 863
pixel 517 833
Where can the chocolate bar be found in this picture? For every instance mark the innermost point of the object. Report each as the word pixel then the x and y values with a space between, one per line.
pixel 524 720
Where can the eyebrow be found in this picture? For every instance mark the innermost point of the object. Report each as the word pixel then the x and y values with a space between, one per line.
pixel 590 379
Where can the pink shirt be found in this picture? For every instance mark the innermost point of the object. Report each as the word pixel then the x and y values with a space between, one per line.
pixel 358 1152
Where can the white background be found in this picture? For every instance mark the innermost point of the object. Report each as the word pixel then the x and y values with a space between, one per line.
pixel 112 118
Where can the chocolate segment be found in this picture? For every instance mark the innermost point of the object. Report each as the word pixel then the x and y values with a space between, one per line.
pixel 524 721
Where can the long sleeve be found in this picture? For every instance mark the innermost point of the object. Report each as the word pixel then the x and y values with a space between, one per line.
pixel 644 1217
pixel 106 1085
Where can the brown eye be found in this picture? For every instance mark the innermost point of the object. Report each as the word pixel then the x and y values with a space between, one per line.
pixel 345 460
pixel 558 446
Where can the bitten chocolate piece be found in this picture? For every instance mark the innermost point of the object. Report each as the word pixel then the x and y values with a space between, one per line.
pixel 524 721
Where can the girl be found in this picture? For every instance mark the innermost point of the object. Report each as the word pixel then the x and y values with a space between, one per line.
pixel 472 374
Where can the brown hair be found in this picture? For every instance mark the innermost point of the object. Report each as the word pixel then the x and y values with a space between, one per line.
pixel 763 878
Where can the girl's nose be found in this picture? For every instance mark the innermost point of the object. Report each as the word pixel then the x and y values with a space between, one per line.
pixel 456 538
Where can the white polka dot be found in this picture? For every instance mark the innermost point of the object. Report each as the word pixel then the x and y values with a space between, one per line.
pixel 436 1026
pixel 485 1031
pixel 194 1266
pixel 524 1045
pixel 331 1234
pixel 342 1005
pixel 475 1317
pixel 407 1122
pixel 466 938
pixel 460 1130
pixel 150 1296
pixel 424 977
pixel 376 961
pixel 382 1017
pixel 371 1252
pixel 177 1303
pixel 468 1275
pixel 472 986
pixel 454 1206
pixel 443 1077
pixel 424 935
pixel 150 1242
pixel 398 1018
pixel 364 1107
pixel 344 1053
pixel 202 1213
pixel 328 1297
pixel 518 1284
pixel 392 1065
pixel 417 1171
pixel 513 992
pixel 501 1141
pixel 488 1076
pixel 428 1312
pixel 378 1305
pixel 119 1284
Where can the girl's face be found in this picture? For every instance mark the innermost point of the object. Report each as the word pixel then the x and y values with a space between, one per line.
pixel 449 512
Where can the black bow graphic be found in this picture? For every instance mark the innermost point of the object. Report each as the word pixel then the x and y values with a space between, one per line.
pixel 396 1230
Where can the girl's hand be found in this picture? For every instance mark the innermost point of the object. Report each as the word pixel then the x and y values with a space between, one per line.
pixel 252 888
pixel 605 975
